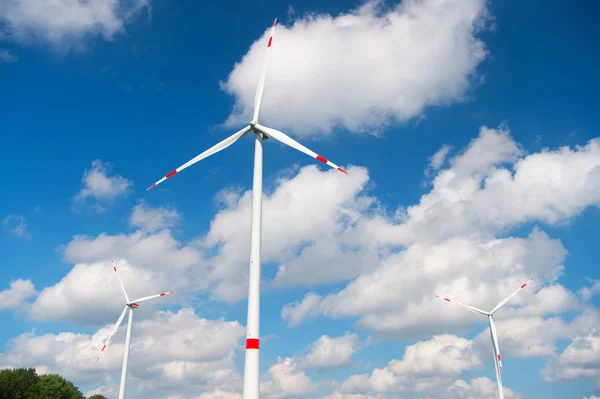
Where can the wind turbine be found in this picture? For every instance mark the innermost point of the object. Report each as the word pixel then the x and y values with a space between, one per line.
pixel 251 366
pixel 494 335
pixel 129 305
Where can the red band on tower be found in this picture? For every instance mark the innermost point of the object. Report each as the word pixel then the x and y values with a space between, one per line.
pixel 252 343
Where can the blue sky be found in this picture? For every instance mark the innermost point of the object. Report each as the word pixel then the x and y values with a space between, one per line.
pixel 98 105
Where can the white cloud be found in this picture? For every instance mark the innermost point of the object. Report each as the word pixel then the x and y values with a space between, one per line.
pixel 426 53
pixel 100 187
pixel 425 366
pixel 8 57
pixel 480 388
pixel 449 241
pixel 329 352
pixel 90 293
pixel 65 23
pixel 17 225
pixel 436 161
pixel 14 297
pixel 587 293
pixel 152 219
pixel 284 380
pixel 172 352
pixel 579 360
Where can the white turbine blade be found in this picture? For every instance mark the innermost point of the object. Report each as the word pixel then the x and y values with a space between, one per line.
pixel 261 83
pixel 212 150
pixel 287 140
pixel 120 282
pixel 471 308
pixel 145 298
pixel 495 343
pixel 498 375
pixel 498 306
pixel 113 331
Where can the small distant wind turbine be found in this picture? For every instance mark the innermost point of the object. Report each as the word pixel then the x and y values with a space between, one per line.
pixel 495 348
pixel 251 366
pixel 129 305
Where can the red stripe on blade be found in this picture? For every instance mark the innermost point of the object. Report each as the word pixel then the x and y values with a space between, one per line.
pixel 446 299
pixel 115 268
pixel 270 41
pixel 320 158
pixel 523 286
pixel 135 305
pixel 499 357
pixel 171 174
pixel 252 343
pixel 342 170
pixel 151 187
pixel 104 347
pixel 275 22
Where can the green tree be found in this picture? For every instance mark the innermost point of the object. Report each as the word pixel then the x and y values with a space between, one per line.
pixel 53 386
pixel 97 396
pixel 18 383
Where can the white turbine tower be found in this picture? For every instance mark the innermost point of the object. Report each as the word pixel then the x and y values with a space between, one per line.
pixel 494 335
pixel 251 366
pixel 129 305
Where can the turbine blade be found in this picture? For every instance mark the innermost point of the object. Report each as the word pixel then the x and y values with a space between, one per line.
pixel 499 305
pixel 261 83
pixel 495 343
pixel 145 298
pixel 212 150
pixel 120 282
pixel 113 331
pixel 287 140
pixel 471 308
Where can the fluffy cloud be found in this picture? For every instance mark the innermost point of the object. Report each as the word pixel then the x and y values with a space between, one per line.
pixel 90 293
pixel 14 297
pixel 579 360
pixel 100 187
pixel 329 352
pixel 64 23
pixel 284 379
pixel 299 245
pixel 449 242
pixel 172 352
pixel 17 225
pixel 425 366
pixel 427 53
pixel 588 292
pixel 152 219
pixel 480 388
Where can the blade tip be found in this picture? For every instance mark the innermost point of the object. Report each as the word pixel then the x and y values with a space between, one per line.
pixel 342 170
pixel 151 186
pixel 275 22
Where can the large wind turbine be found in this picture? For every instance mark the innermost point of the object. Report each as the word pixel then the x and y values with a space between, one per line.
pixel 495 348
pixel 251 366
pixel 129 305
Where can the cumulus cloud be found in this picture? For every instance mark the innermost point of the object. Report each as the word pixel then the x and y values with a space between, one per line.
pixel 329 352
pixel 100 187
pixel 170 352
pixel 587 293
pixel 17 225
pixel 427 54
pixel 425 366
pixel 480 388
pixel 65 23
pixel 15 297
pixel 152 219
pixel 284 379
pixel 579 360
pixel 95 286
pixel 449 241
